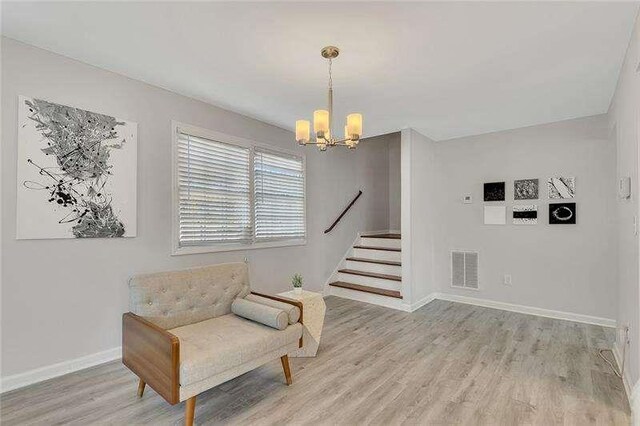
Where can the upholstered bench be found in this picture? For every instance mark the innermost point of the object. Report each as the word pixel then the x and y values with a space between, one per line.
pixel 181 338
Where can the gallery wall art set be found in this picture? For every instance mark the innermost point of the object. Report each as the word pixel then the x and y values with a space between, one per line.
pixel 558 188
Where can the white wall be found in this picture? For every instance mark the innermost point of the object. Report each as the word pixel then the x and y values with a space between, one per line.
pixel 569 268
pixel 625 124
pixel 395 188
pixel 347 171
pixel 63 299
pixel 564 268
pixel 419 190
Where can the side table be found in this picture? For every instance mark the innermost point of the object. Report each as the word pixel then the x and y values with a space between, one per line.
pixel 313 309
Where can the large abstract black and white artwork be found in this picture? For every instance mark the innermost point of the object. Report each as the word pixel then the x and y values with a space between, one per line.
pixel 562 213
pixel 76 173
pixel 525 189
pixel 525 215
pixel 494 191
pixel 561 187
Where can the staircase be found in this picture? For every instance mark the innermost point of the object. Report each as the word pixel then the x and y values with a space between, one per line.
pixel 371 271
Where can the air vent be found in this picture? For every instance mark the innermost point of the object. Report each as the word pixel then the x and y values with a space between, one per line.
pixel 464 269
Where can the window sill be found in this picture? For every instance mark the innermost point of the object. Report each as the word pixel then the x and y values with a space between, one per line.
pixel 179 251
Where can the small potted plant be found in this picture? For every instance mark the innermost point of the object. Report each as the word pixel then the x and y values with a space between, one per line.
pixel 296 281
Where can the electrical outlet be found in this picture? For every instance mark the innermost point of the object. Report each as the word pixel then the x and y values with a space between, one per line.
pixel 507 279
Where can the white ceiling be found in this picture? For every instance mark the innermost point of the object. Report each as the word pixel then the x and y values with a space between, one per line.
pixel 445 69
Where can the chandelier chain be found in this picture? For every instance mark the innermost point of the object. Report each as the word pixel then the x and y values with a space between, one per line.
pixel 330 76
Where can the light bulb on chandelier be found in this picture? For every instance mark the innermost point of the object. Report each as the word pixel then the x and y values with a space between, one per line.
pixel 323 119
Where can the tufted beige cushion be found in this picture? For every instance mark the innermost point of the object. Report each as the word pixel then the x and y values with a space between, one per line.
pixel 213 346
pixel 176 298
pixel 267 315
pixel 292 310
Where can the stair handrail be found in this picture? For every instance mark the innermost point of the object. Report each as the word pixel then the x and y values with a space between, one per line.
pixel 333 225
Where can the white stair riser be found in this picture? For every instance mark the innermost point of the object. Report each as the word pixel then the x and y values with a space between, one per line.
pixel 369 281
pixel 376 254
pixel 376 299
pixel 373 267
pixel 380 242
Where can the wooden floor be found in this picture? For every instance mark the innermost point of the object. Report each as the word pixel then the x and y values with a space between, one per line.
pixel 446 363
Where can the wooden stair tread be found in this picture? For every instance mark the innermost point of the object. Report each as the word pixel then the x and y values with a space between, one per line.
pixel 380 262
pixel 377 248
pixel 371 274
pixel 387 236
pixel 367 289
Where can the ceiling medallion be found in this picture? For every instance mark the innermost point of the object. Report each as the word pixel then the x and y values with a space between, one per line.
pixel 323 119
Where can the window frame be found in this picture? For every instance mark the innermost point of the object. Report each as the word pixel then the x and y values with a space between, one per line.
pixel 237 141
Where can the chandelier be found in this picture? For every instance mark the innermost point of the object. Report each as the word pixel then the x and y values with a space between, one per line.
pixel 323 119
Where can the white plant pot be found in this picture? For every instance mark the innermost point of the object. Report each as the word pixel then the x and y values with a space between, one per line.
pixel 297 290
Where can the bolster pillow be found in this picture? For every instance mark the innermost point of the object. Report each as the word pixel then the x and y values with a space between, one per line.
pixel 292 310
pixel 272 317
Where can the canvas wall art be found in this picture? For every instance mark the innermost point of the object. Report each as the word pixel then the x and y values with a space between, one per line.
pixel 561 187
pixel 562 214
pixel 525 215
pixel 525 189
pixel 76 173
pixel 494 191
pixel 495 215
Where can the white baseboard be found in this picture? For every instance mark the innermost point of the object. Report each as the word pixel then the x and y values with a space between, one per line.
pixel 382 231
pixel 530 310
pixel 548 313
pixel 49 372
pixel 384 301
pixel 633 392
pixel 374 299
pixel 425 300
pixel 635 404
pixel 618 359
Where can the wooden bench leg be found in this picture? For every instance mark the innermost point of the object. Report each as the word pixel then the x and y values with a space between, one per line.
pixel 189 411
pixel 141 385
pixel 285 366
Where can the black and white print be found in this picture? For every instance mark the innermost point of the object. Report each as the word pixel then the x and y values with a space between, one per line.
pixel 494 191
pixel 76 173
pixel 561 187
pixel 562 214
pixel 525 189
pixel 525 215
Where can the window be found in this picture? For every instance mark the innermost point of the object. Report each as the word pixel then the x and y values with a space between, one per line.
pixel 279 196
pixel 232 194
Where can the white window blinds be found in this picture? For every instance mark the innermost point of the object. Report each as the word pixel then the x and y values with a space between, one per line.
pixel 278 196
pixel 214 192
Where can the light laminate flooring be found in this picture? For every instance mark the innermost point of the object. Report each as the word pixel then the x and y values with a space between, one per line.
pixel 446 363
